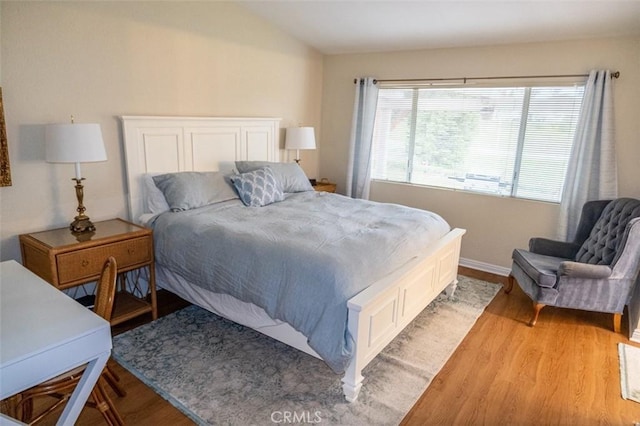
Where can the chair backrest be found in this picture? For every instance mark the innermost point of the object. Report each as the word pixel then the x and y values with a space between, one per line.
pixel 591 212
pixel 106 290
pixel 601 247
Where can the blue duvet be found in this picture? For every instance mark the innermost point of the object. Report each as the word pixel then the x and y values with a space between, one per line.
pixel 300 260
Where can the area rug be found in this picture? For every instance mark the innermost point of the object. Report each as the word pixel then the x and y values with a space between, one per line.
pixel 629 371
pixel 219 372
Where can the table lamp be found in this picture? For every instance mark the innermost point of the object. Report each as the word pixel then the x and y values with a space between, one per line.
pixel 300 138
pixel 75 143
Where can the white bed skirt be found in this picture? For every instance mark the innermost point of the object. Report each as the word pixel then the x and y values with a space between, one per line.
pixel 233 309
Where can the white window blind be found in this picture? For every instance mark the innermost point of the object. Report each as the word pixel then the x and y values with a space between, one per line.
pixel 508 141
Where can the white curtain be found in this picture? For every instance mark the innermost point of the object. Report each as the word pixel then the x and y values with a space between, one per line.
pixel 364 113
pixel 592 171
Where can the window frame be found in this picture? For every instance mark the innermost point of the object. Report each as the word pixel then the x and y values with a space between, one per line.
pixel 527 85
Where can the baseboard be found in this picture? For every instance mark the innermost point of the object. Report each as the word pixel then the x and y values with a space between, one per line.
pixel 485 267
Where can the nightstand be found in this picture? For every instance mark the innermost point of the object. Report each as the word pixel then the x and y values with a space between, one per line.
pixel 66 260
pixel 325 187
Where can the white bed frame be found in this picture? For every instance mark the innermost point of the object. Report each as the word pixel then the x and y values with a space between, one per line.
pixel 377 314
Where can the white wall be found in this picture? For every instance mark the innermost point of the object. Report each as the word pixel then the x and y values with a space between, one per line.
pixel 99 60
pixel 495 226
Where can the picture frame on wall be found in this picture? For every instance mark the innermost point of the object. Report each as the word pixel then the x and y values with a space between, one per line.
pixel 5 168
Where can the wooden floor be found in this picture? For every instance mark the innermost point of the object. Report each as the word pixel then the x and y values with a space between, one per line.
pixel 562 371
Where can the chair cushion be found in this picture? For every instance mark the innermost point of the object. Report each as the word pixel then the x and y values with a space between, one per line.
pixel 540 268
pixel 601 247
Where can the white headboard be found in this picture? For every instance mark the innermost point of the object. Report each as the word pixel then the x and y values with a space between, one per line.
pixel 175 144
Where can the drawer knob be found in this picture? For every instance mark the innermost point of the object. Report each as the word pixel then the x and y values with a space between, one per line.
pixel 85 262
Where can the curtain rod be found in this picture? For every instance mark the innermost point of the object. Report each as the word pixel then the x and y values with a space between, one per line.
pixel 615 74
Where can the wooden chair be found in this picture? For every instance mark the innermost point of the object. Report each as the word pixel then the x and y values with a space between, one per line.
pixel 61 387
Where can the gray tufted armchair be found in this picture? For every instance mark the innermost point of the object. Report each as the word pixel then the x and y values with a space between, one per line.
pixel 595 272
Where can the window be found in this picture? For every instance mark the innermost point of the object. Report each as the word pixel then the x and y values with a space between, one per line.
pixel 507 141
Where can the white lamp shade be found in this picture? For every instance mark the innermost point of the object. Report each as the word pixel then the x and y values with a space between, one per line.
pixel 300 138
pixel 74 143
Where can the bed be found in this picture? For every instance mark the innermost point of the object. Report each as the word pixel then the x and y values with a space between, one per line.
pixel 379 294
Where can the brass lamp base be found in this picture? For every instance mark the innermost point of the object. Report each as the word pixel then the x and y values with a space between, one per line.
pixel 82 224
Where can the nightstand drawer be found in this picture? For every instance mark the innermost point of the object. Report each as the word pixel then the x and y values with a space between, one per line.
pixel 87 263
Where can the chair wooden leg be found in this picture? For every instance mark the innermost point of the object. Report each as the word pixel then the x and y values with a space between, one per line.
pixel 113 412
pixel 113 380
pixel 100 404
pixel 617 321
pixel 509 286
pixel 104 404
pixel 537 307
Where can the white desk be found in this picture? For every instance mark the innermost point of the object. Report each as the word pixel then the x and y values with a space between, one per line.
pixel 44 333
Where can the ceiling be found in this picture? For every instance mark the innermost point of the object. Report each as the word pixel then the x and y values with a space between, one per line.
pixel 350 26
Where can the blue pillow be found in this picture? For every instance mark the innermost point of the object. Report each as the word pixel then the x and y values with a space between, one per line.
pixel 290 175
pixel 189 190
pixel 258 188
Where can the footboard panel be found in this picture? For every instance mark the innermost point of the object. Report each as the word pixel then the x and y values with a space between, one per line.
pixel 379 313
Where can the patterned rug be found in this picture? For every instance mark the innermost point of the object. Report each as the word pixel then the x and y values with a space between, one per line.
pixel 629 371
pixel 219 372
